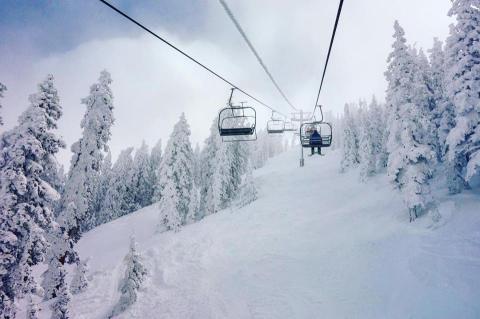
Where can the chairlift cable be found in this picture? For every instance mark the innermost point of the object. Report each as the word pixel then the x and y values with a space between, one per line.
pixel 339 11
pixel 254 51
pixel 186 55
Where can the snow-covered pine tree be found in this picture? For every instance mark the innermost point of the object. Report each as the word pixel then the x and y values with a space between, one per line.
pixel 155 161
pixel 119 198
pixel 175 176
pixel 196 164
pixel 411 158
pixel 134 276
pixel 444 111
pixel 3 88
pixel 222 166
pixel 240 153
pixel 259 150
pixel 47 98
pixel 222 182
pixel 230 163
pixel 378 126
pixel 248 190
pixel 350 142
pixel 60 305
pixel 366 150
pixel 423 98
pixel 462 55
pixel 26 200
pixel 337 134
pixel 141 177
pixel 207 168
pixel 194 209
pixel 170 218
pixel 104 183
pixel 79 281
pixel 59 181
pixel 51 277
pixel 77 210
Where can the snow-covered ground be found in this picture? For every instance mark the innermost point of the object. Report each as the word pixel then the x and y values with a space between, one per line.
pixel 316 244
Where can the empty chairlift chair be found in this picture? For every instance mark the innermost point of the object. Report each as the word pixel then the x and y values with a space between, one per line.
pixel 289 127
pixel 275 125
pixel 237 123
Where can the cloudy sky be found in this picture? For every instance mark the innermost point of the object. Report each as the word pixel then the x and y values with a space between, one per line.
pixel 74 40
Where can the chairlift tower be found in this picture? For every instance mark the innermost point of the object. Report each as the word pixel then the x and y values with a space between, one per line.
pixel 301 117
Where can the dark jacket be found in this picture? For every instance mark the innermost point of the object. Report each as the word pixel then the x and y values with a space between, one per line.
pixel 315 138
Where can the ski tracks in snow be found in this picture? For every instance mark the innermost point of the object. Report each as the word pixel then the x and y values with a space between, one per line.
pixel 316 244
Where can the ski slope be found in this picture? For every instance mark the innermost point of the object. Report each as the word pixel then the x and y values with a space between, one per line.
pixel 316 244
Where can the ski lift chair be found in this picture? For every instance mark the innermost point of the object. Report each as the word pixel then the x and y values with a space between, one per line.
pixel 324 129
pixel 237 123
pixel 275 126
pixel 289 127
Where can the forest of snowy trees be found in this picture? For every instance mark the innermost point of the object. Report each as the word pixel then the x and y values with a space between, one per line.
pixel 429 126
pixel 45 211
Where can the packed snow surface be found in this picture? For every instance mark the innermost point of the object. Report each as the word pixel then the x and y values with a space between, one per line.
pixel 316 244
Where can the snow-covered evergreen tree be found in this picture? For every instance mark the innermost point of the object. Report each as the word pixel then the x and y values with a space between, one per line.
pixel 155 161
pixel 3 88
pixel 194 209
pixel 175 177
pixel 207 168
pixel 337 133
pixel 444 111
pixel 197 165
pixel 56 257
pixel 134 276
pixel 51 276
pixel 463 61
pixel 378 126
pixel 141 178
pixel 77 210
pixel 222 166
pixel 104 183
pixel 60 305
pixel 26 200
pixel 170 218
pixel 366 148
pixel 411 157
pixel 240 154
pixel 59 181
pixel 259 149
pixel 265 147
pixel 248 190
pixel 222 182
pixel 423 98
pixel 79 281
pixel 47 98
pixel 350 142
pixel 119 198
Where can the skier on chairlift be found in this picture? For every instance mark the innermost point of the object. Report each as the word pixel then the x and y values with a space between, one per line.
pixel 315 140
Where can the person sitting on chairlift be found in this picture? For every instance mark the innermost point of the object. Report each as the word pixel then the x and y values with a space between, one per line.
pixel 315 141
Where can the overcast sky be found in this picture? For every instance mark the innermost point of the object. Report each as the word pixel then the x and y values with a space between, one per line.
pixel 74 40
